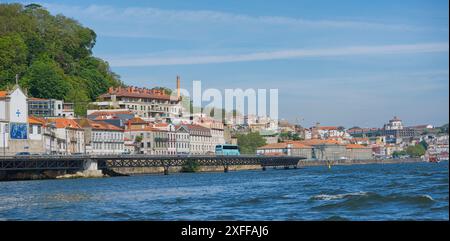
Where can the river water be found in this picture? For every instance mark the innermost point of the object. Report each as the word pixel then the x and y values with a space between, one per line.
pixel 414 191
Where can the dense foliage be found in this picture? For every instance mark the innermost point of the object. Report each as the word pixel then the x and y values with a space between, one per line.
pixel 190 166
pixel 52 56
pixel 248 143
pixel 289 136
pixel 416 150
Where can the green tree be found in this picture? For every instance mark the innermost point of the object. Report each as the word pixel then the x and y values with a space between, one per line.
pixel 248 143
pixel 13 58
pixel 416 150
pixel 424 144
pixel 190 166
pixel 45 79
pixel 166 90
pixel 138 139
pixel 33 40
pixel 78 96
pixel 397 154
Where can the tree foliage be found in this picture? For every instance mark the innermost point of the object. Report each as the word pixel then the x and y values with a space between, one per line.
pixel 52 55
pixel 397 154
pixel 248 143
pixel 416 150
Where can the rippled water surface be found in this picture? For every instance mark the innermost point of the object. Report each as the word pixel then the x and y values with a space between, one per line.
pixel 365 192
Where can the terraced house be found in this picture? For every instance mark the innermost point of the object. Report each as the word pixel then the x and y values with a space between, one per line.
pixel 101 137
pixel 200 140
pixel 71 134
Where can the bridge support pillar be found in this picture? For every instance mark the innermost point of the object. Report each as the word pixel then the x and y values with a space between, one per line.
pixel 286 167
pixel 166 170
pixel 90 168
pixel 263 168
pixel 225 169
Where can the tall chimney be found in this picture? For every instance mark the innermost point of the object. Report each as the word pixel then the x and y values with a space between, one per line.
pixel 178 87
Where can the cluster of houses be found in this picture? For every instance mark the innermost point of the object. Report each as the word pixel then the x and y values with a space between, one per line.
pixel 150 121
pixel 334 142
pixel 39 126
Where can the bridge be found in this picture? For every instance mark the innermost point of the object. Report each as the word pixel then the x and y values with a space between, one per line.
pixel 107 162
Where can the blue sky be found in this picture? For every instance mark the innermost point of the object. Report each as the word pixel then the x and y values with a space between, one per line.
pixel 336 62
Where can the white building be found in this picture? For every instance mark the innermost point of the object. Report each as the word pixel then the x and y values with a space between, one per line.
pixel 102 138
pixel 200 140
pixel 70 136
pixel 149 104
pixel 394 124
pixel 182 140
pixel 16 135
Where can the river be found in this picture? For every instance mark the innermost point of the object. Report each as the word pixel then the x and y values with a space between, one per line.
pixel 413 191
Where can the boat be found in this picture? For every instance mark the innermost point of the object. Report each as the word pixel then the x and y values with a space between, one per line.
pixel 431 158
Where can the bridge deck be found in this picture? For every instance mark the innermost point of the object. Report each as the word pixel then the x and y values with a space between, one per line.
pixel 121 161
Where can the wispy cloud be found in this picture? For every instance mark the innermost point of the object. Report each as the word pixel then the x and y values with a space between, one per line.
pixel 277 55
pixel 144 16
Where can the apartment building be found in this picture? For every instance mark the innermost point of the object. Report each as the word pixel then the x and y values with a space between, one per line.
pixel 200 140
pixel 50 108
pixel 149 104
pixel 102 138
pixel 70 136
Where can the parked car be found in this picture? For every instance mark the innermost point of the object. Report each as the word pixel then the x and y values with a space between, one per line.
pixel 23 154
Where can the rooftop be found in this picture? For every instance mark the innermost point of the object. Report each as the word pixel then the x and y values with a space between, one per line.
pixel 136 92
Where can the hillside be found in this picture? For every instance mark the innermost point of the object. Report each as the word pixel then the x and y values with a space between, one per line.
pixel 52 56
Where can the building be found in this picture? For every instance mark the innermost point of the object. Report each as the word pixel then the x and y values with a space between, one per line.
pixel 394 124
pixel 270 136
pixel 149 104
pixel 139 139
pixel 316 149
pixel 50 108
pixel 17 133
pixel 291 148
pixel 114 117
pixel 102 138
pixel 70 136
pixel 216 128
pixel 182 140
pixel 396 129
pixel 200 140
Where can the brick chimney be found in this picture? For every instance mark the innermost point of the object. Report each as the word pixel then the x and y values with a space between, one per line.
pixel 178 87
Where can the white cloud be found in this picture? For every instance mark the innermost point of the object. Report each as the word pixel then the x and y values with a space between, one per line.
pixel 147 16
pixel 276 55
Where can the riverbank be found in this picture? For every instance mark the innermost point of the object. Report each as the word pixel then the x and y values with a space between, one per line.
pixel 39 175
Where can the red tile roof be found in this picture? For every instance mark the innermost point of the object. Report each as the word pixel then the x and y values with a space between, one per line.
pixel 35 120
pixel 98 125
pixel 65 123
pixel 283 145
pixel 136 120
pixel 3 93
pixel 136 93
pixel 112 112
pixel 328 128
pixel 355 146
